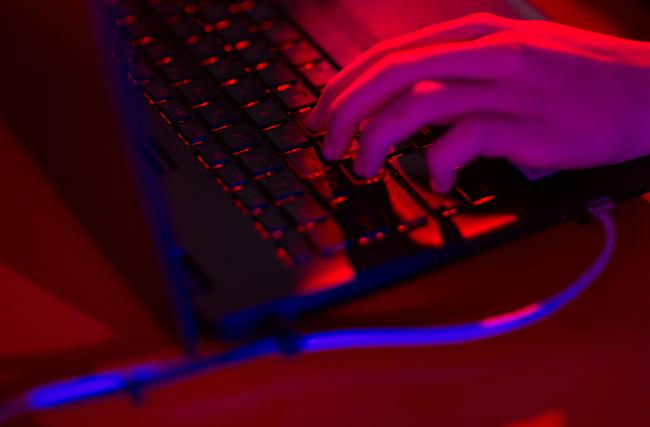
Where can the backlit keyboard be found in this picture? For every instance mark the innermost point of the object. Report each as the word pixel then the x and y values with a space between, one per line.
pixel 234 80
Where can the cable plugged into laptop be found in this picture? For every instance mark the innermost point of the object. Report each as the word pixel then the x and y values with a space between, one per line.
pixel 136 380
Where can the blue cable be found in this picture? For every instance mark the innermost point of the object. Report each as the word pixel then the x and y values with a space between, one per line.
pixel 133 381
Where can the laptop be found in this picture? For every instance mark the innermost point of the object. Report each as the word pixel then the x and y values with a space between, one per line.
pixel 214 199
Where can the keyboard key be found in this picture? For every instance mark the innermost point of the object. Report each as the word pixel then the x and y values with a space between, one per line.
pixel 256 53
pixel 327 237
pixel 287 137
pixel 301 52
pixel 252 199
pixel 198 92
pixel 226 69
pixel 161 49
pixel 238 138
pixel 207 47
pixel 320 73
pixel 214 12
pixel 296 97
pixel 260 162
pixel 277 74
pixel 218 114
pixel 412 168
pixel 186 27
pixel 142 30
pixel 272 221
pixel 156 91
pixel 473 225
pixel 265 114
pixel 122 10
pixel 261 12
pixel 406 211
pixel 305 163
pixel 305 211
pixel 231 176
pixel 174 112
pixel 282 32
pixel 192 133
pixel 211 155
pixel 236 32
pixel 332 187
pixel 166 9
pixel 282 186
pixel 140 72
pixel 474 192
pixel 246 90
pixel 347 166
pixel 295 246
pixel 364 217
pixel 179 70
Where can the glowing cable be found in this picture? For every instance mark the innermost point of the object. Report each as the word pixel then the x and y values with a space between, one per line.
pixel 132 381
pixel 486 328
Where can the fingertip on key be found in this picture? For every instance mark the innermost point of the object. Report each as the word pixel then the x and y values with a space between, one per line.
pixel 312 119
pixel 439 186
pixel 328 151
pixel 362 169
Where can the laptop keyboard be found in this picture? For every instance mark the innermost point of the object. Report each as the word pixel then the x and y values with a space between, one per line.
pixel 235 79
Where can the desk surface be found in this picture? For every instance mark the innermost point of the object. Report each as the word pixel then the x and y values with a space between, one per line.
pixel 586 366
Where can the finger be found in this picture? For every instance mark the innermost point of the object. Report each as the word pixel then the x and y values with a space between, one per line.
pixel 464 142
pixel 426 103
pixel 464 29
pixel 477 61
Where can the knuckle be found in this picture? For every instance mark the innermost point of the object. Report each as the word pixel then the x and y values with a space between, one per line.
pixel 483 18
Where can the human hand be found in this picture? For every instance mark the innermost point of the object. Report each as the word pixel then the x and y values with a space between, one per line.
pixel 540 94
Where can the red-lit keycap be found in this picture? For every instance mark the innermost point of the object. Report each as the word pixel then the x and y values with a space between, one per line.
pixel 297 96
pixel 211 155
pixel 327 237
pixel 287 136
pixel 301 52
pixel 260 161
pixel 282 186
pixel 282 32
pixel 238 138
pixel 306 210
pixel 174 112
pixel 277 74
pixel 252 199
pixel 295 246
pixel 192 133
pixel 320 73
pixel 218 114
pixel 265 114
pixel 306 163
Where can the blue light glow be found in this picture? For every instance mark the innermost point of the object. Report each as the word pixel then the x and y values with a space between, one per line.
pixel 76 390
pixel 71 391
